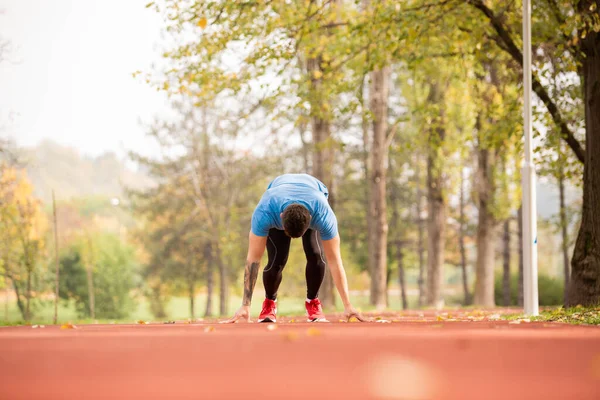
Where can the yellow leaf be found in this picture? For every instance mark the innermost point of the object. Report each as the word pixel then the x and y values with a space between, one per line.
pixel 290 336
pixel 202 22
pixel 142 322
pixel 313 332
pixel 440 318
pixel 209 329
pixel 317 74
pixel 68 325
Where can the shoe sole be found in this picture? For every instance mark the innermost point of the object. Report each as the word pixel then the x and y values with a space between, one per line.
pixel 267 320
pixel 317 320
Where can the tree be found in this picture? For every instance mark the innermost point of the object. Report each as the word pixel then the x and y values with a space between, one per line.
pixel 114 274
pixel 23 230
pixel 584 285
pixel 195 218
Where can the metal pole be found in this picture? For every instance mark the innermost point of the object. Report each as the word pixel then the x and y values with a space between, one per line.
pixel 57 280
pixel 530 273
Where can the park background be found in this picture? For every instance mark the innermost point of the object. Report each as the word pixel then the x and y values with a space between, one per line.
pixel 157 126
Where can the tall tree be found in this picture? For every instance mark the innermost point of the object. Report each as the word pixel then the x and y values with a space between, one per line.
pixel 436 197
pixel 461 239
pixel 584 285
pixel 378 93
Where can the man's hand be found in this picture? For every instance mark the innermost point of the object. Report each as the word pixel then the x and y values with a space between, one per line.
pixel 242 314
pixel 350 312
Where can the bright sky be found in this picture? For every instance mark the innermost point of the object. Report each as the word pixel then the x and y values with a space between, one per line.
pixel 70 77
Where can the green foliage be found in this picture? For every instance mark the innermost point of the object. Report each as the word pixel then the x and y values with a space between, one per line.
pixel 550 290
pixel 575 315
pixel 114 271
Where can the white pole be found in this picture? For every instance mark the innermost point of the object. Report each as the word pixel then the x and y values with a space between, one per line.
pixel 530 273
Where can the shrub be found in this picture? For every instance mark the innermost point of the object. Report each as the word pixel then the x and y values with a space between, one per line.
pixel 550 290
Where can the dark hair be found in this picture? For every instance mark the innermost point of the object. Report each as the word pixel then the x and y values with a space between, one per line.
pixel 296 220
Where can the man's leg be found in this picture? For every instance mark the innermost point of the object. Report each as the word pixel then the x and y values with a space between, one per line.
pixel 278 249
pixel 315 263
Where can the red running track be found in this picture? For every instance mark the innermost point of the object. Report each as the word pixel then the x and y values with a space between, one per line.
pixel 399 360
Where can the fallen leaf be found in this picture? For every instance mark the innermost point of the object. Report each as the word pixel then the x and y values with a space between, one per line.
pixel 34 326
pixel 440 318
pixel 168 322
pixel 142 322
pixel 202 22
pixel 353 319
pixel 68 325
pixel 494 317
pixel 209 329
pixel 383 321
pixel 313 332
pixel 342 320
pixel 290 336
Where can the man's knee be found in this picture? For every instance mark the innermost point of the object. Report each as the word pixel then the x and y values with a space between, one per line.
pixel 315 257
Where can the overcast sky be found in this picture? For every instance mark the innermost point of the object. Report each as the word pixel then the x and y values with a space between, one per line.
pixel 70 76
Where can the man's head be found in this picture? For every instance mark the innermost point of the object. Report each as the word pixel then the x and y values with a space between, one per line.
pixel 296 220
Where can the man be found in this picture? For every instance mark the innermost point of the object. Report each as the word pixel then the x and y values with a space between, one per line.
pixel 294 205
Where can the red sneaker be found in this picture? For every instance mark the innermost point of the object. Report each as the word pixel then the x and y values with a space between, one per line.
pixel 314 310
pixel 269 311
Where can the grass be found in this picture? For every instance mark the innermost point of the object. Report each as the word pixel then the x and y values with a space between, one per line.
pixel 177 309
pixel 575 315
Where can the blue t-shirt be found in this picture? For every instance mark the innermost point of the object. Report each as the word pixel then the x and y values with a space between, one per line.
pixel 295 189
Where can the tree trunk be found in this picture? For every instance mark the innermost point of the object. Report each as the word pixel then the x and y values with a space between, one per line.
pixel 223 283
pixel 366 169
pixel 506 264
pixel 520 283
pixel 157 306
pixel 563 228
pixel 90 279
pixel 6 299
pixel 91 294
pixel 401 278
pixel 484 268
pixel 378 95
pixel 584 285
pixel 323 156
pixel 398 231
pixel 436 224
pixel 461 241
pixel 305 147
pixel 421 238
pixel 19 300
pixel 28 296
pixel 192 296
pixel 209 279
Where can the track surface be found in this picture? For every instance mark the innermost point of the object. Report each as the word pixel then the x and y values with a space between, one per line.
pixel 417 357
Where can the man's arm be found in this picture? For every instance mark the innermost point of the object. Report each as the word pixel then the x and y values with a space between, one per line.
pixel 256 248
pixel 334 262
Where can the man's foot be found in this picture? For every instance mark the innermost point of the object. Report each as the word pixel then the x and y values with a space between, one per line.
pixel 314 310
pixel 269 311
